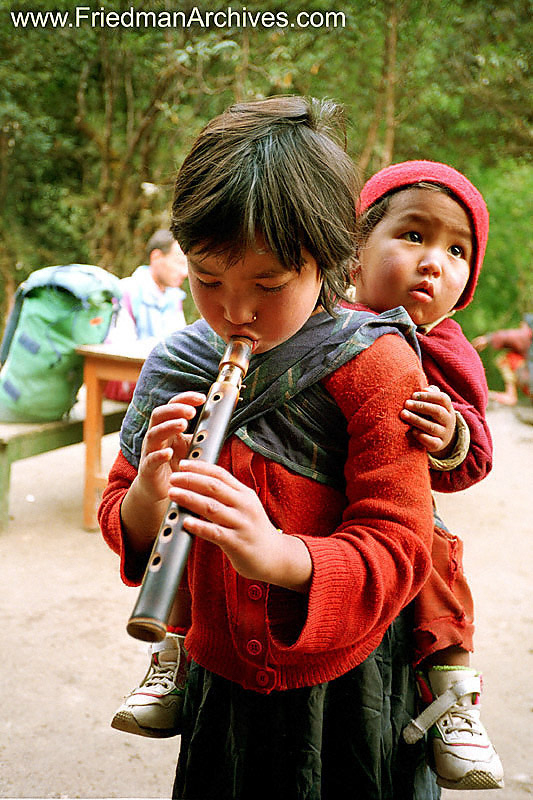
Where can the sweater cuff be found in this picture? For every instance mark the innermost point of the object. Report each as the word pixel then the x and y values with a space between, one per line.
pixel 460 450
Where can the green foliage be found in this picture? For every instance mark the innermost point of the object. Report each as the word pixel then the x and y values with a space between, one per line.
pixel 94 120
pixel 505 288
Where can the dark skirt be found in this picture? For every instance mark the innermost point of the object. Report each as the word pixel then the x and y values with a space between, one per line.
pixel 328 742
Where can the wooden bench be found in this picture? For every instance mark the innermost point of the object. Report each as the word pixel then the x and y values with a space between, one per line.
pixel 25 439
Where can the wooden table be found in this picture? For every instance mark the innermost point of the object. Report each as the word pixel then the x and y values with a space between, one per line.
pixel 102 363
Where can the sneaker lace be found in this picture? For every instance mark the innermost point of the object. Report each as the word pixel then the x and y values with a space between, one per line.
pixel 160 674
pixel 460 719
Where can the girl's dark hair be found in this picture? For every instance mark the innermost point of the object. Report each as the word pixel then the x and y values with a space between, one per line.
pixel 277 168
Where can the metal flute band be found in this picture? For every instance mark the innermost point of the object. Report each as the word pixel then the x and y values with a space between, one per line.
pixel 162 578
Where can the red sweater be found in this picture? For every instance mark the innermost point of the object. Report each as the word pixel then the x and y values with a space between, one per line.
pixel 451 363
pixel 369 547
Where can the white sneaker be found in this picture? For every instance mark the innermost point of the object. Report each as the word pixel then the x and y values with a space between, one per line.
pixel 463 755
pixel 154 708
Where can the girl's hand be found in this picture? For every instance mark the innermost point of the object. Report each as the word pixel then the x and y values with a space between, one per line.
pixel 232 517
pixel 432 419
pixel 166 443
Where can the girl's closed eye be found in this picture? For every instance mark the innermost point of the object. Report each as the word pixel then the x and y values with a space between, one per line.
pixel 272 288
pixel 207 284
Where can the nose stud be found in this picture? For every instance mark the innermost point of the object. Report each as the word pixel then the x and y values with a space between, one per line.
pixel 254 317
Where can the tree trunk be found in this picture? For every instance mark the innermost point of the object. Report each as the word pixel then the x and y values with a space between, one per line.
pixel 372 134
pixel 390 85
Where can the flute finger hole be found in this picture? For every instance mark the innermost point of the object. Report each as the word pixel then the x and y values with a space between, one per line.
pixel 155 563
pixel 195 453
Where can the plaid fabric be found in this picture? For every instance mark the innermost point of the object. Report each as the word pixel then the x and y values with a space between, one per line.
pixel 285 413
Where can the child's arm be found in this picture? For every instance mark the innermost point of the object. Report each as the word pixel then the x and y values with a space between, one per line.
pixel 518 340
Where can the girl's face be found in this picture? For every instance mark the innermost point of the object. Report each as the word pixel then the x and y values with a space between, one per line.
pixel 255 297
pixel 418 256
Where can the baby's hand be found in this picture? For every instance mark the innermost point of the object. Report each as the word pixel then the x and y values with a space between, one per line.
pixel 432 419
pixel 166 443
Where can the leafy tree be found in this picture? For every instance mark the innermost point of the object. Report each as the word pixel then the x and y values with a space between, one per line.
pixel 94 120
pixel 505 288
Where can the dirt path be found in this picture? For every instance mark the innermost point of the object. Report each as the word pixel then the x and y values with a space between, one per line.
pixel 67 660
pixel 495 520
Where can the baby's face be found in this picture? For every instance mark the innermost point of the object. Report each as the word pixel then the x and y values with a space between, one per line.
pixel 418 256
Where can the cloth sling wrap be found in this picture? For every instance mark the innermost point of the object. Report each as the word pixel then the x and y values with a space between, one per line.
pixel 285 413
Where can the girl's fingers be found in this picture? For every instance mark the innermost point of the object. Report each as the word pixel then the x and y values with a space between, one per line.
pixel 157 434
pixel 152 461
pixel 172 419
pixel 199 467
pixel 209 508
pixel 181 406
pixel 217 534
pixel 212 507
pixel 211 492
pixel 191 398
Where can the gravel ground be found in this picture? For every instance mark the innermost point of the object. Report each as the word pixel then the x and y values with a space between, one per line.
pixel 67 660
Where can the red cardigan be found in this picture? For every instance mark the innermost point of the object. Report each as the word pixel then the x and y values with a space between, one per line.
pixel 451 363
pixel 369 547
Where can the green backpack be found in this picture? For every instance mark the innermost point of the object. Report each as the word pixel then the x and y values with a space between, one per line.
pixel 55 310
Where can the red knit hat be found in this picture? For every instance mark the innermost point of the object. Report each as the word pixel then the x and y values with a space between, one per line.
pixel 408 172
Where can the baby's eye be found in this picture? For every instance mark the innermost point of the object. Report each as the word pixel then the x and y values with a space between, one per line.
pixel 413 236
pixel 457 251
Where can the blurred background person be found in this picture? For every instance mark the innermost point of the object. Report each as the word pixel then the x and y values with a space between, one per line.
pixel 152 303
pixel 514 363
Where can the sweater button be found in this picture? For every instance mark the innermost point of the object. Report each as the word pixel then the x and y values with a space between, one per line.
pixel 255 592
pixel 254 647
pixel 262 678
